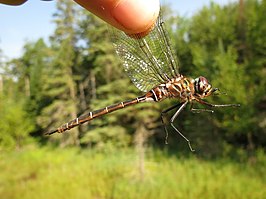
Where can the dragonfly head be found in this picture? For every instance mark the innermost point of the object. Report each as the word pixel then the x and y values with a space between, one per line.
pixel 203 88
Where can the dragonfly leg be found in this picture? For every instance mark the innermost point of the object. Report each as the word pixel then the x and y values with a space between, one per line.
pixel 196 110
pixel 172 123
pixel 216 105
pixel 162 115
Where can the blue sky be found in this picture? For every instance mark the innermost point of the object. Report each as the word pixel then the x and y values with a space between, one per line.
pixel 33 20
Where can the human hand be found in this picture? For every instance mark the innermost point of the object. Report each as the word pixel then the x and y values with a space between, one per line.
pixel 130 16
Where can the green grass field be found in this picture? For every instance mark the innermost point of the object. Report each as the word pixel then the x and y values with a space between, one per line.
pixel 71 173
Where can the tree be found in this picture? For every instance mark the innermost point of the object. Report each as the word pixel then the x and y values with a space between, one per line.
pixel 15 121
pixel 60 86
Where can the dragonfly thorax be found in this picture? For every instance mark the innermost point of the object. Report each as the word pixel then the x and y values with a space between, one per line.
pixel 179 87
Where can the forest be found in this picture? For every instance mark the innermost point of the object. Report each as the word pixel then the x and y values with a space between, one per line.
pixel 78 71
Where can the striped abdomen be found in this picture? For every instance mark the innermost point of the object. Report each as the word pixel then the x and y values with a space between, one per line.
pixel 97 113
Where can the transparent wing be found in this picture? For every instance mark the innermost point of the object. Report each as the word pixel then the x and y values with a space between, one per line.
pixel 148 61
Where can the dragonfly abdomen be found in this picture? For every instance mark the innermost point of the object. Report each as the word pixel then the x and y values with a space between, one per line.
pixel 100 112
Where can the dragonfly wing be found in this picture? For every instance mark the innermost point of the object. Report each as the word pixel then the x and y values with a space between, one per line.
pixel 148 61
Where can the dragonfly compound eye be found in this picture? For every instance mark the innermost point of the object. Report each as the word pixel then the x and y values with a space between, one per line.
pixel 202 86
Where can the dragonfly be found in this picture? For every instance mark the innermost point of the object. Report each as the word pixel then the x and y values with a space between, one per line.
pixel 152 66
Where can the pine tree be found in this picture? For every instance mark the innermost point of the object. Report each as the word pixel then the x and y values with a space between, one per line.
pixel 60 85
pixel 15 121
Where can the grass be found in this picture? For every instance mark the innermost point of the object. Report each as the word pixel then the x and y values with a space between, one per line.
pixel 71 173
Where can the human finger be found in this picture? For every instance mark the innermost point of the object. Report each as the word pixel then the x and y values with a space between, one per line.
pixel 130 16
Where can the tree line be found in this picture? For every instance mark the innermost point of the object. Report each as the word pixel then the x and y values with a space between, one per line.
pixel 78 71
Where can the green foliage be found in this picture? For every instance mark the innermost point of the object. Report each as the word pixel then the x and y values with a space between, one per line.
pixel 101 58
pixel 106 138
pixel 15 124
pixel 57 173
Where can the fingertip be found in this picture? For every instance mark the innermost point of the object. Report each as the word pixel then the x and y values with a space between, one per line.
pixel 136 16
